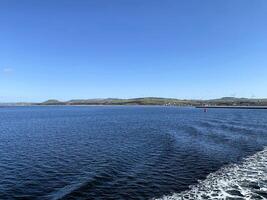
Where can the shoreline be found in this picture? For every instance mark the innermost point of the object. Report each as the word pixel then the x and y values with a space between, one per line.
pixel 152 105
pixel 94 105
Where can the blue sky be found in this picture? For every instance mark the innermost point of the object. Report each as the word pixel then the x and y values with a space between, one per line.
pixel 66 49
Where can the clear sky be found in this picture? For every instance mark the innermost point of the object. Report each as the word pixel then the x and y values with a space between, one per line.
pixel 65 49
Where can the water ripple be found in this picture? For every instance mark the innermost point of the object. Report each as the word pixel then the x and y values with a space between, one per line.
pixel 132 152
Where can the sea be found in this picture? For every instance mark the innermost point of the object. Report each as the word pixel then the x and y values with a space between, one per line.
pixel 132 152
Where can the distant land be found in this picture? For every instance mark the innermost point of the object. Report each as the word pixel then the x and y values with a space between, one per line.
pixel 225 101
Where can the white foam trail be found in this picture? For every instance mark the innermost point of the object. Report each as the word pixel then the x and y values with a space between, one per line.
pixel 247 180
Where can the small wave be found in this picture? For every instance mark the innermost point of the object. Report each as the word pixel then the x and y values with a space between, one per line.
pixel 247 180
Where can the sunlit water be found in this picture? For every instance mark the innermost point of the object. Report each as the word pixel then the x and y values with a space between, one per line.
pixel 135 152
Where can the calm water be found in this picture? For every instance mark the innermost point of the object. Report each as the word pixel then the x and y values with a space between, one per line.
pixel 132 152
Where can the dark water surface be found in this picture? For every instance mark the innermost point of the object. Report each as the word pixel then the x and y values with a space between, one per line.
pixel 120 152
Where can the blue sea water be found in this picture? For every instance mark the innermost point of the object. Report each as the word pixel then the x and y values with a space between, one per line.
pixel 132 152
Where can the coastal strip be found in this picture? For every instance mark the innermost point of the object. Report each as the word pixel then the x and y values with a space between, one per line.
pixel 233 107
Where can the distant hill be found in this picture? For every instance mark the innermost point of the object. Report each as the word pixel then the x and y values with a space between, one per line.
pixel 231 101
pixel 133 101
pixel 52 102
pixel 225 101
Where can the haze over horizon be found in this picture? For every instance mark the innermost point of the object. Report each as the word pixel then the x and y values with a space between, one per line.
pixel 124 49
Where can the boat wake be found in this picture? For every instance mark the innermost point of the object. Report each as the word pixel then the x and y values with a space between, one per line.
pixel 247 180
